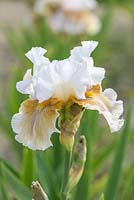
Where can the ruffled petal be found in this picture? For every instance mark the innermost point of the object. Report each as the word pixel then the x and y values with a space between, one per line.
pixel 84 51
pixel 34 126
pixel 61 80
pixel 29 83
pixel 36 56
pixel 25 86
pixel 96 74
pixel 107 105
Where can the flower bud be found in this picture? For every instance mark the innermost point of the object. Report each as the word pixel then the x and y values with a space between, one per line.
pixel 70 126
pixel 77 167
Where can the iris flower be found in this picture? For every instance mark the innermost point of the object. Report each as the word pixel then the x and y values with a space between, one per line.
pixel 52 84
pixel 73 17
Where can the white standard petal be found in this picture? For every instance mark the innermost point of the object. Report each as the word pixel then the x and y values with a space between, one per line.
pixel 107 105
pixel 45 90
pixel 33 126
pixel 62 80
pixel 78 5
pixel 96 74
pixel 26 85
pixel 84 51
pixel 36 56
pixel 29 82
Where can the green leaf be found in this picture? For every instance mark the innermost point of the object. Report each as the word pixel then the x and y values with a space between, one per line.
pixel 3 192
pixel 127 186
pixel 13 170
pixel 115 172
pixel 4 124
pixel 102 156
pixel 19 190
pixel 3 189
pixel 29 166
pixel 57 162
pixel 48 177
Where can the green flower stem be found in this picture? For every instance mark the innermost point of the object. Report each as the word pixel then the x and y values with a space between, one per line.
pixel 68 156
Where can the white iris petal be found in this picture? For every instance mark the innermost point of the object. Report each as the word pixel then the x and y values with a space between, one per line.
pixel 26 86
pixel 84 51
pixel 78 5
pixel 111 109
pixel 81 55
pixel 96 74
pixel 36 56
pixel 61 80
pixel 29 83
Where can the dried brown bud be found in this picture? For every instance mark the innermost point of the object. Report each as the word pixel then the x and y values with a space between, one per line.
pixel 38 192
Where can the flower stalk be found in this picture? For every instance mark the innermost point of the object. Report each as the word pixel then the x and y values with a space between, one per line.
pixel 70 116
pixel 67 163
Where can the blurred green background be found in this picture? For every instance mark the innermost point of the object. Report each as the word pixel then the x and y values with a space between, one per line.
pixel 110 162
